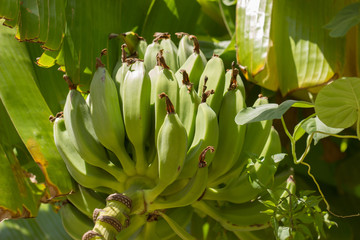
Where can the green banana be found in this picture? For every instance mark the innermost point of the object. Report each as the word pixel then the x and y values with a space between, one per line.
pixel 170 51
pixel 136 111
pixel 120 61
pixel 231 135
pixel 107 118
pixel 81 132
pixel 256 136
pixel 191 192
pixel 136 44
pixel 188 105
pixel 153 75
pixel 141 48
pixel 165 82
pixel 206 134
pixel 74 222
pixel 175 187
pixel 255 179
pixel 121 72
pixel 230 75
pixel 150 59
pixel 162 80
pixel 194 65
pixel 86 200
pixel 257 133
pixel 236 217
pixel 185 49
pixel 171 148
pixel 83 172
pixel 215 71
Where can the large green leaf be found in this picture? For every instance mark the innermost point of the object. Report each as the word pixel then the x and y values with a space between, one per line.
pixel 338 104
pixel 37 20
pixel 29 21
pixel 19 187
pixel 29 112
pixel 46 226
pixel 87 35
pixel 283 45
pixel 49 80
pixel 9 9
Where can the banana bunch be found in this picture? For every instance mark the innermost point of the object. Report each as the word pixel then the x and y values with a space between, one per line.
pixel 155 142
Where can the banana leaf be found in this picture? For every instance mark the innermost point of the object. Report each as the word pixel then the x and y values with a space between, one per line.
pixel 29 114
pixel 283 45
pixel 47 225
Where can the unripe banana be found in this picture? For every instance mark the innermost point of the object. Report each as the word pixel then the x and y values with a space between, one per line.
pixel 74 222
pixel 206 134
pixel 257 177
pixel 141 48
pixel 188 105
pixel 136 111
pixel 133 40
pixel 121 72
pixel 257 133
pixel 107 118
pixel 231 135
pixel 150 55
pixel 162 80
pixel 185 49
pixel 83 173
pixel 194 65
pixel 171 148
pixel 86 200
pixel 175 187
pixel 165 82
pixel 230 75
pixel 81 132
pixel 256 136
pixel 191 192
pixel 215 72
pixel 170 51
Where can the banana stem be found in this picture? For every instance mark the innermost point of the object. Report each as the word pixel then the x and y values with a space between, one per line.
pixel 115 217
pixel 126 162
pixel 181 232
pixel 115 171
pixel 140 159
pixel 226 223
